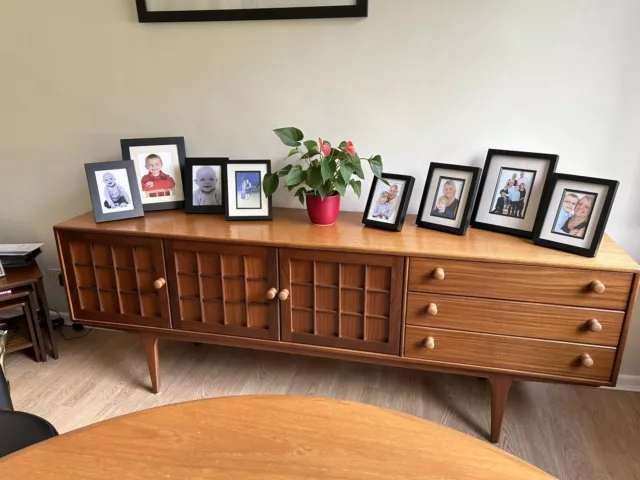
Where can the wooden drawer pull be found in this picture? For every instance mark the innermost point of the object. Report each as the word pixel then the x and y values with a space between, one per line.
pixel 597 286
pixel 586 360
pixel 594 325
pixel 271 293
pixel 429 343
pixel 159 283
pixel 432 309
pixel 283 295
pixel 438 274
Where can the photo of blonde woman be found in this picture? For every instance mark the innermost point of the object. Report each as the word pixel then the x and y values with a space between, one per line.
pixel 447 199
pixel 574 213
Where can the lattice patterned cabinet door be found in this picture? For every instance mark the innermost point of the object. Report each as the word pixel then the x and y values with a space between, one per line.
pixel 223 289
pixel 342 300
pixel 114 279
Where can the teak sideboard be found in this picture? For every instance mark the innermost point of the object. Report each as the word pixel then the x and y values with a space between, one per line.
pixel 485 304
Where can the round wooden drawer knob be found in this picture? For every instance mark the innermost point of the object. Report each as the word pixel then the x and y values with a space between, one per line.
pixel 159 283
pixel 271 293
pixel 429 343
pixel 586 360
pixel 597 286
pixel 594 325
pixel 432 309
pixel 284 294
pixel 438 274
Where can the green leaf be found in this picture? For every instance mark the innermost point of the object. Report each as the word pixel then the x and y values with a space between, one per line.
pixel 301 193
pixel 295 176
pixel 346 170
pixel 290 136
pixel 342 145
pixel 292 152
pixel 323 191
pixel 341 186
pixel 376 165
pixel 357 164
pixel 284 170
pixel 357 187
pixel 270 183
pixel 314 177
pixel 311 145
pixel 327 168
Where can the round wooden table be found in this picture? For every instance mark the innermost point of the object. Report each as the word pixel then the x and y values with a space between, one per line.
pixel 265 437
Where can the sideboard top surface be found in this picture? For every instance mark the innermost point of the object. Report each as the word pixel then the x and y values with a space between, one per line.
pixel 291 228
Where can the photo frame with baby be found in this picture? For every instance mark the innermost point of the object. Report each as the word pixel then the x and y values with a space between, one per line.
pixel 574 213
pixel 388 202
pixel 512 186
pixel 114 191
pixel 160 170
pixel 448 198
pixel 245 198
pixel 205 185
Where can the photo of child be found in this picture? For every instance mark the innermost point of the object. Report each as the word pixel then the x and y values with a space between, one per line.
pixel 207 189
pixel 512 192
pixel 113 187
pixel 574 213
pixel 157 183
pixel 387 199
pixel 446 202
pixel 383 209
pixel 248 190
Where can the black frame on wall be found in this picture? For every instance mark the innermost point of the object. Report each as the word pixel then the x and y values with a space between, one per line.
pixel 360 9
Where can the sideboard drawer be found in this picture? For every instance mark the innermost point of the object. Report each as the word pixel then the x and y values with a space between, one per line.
pixel 551 322
pixel 558 286
pixel 509 353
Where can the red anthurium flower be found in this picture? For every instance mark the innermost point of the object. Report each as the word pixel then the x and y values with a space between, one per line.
pixel 351 150
pixel 325 148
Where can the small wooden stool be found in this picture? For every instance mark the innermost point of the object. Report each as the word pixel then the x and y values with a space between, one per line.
pixel 16 342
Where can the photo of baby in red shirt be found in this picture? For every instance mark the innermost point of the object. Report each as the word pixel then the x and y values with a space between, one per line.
pixel 156 183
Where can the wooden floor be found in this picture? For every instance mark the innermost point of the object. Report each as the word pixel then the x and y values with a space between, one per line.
pixel 570 432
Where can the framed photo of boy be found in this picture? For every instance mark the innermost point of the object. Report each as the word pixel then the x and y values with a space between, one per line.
pixel 574 213
pixel 512 186
pixel 113 190
pixel 245 199
pixel 205 186
pixel 448 197
pixel 388 202
pixel 159 164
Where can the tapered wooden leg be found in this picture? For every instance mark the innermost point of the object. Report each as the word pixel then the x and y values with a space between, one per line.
pixel 500 385
pixel 44 306
pixel 150 341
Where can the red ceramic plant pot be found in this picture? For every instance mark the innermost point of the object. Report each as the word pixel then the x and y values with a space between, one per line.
pixel 323 212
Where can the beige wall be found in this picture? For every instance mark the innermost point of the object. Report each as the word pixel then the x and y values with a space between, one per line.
pixel 417 81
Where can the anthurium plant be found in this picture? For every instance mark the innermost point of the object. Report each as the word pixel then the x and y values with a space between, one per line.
pixel 325 170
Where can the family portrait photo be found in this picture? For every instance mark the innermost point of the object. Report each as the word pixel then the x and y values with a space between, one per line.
pixel 386 201
pixel 248 190
pixel 114 192
pixel 512 192
pixel 446 202
pixel 573 213
pixel 207 188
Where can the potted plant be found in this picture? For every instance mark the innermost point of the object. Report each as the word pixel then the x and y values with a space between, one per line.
pixel 324 176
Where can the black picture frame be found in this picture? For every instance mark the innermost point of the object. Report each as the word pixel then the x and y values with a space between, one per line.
pixel 468 206
pixel 360 9
pixel 94 191
pixel 269 200
pixel 189 185
pixel 402 207
pixel 491 153
pixel 127 144
pixel 592 250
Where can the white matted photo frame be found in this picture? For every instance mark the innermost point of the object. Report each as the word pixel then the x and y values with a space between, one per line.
pixel 205 186
pixel 388 202
pixel 245 199
pixel 448 198
pixel 113 190
pixel 159 165
pixel 574 214
pixel 512 186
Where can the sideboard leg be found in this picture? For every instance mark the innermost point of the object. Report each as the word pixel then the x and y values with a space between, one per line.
pixel 500 385
pixel 150 341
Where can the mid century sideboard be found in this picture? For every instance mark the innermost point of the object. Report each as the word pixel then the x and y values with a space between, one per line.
pixel 485 304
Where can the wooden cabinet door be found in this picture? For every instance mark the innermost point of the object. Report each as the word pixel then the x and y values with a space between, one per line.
pixel 111 278
pixel 221 288
pixel 344 300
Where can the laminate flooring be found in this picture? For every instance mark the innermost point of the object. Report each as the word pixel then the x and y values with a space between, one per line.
pixel 569 431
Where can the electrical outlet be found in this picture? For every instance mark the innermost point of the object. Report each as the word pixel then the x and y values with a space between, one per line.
pixel 54 275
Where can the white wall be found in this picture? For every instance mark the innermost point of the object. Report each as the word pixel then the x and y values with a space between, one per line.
pixel 417 81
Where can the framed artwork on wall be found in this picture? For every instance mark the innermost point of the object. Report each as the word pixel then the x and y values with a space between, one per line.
pixel 245 196
pixel 448 198
pixel 387 204
pixel 159 165
pixel 205 186
pixel 150 11
pixel 114 191
pixel 574 213
pixel 511 189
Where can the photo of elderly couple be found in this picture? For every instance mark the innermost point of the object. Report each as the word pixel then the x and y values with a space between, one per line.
pixel 387 199
pixel 574 213
pixel 510 197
